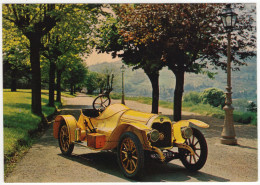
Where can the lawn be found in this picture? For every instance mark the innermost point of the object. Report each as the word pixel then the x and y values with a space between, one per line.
pixel 19 121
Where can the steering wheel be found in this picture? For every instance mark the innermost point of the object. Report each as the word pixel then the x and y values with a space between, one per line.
pixel 101 102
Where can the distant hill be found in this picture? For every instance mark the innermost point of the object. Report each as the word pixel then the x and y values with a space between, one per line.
pixel 137 83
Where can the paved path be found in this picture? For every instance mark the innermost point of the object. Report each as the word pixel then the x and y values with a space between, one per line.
pixel 44 162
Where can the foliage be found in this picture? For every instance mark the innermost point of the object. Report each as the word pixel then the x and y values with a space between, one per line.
pixel 192 96
pixel 188 31
pixel 75 72
pixel 213 96
pixel 54 28
pixel 252 107
pixel 15 56
pixel 94 81
pixel 187 35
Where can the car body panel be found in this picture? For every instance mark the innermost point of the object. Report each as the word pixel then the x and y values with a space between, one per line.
pixel 117 119
pixel 71 124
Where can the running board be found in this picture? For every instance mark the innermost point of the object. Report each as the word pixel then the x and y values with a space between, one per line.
pixel 84 143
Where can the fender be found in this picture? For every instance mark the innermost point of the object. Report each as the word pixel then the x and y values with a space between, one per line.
pixel 137 128
pixel 71 124
pixel 185 123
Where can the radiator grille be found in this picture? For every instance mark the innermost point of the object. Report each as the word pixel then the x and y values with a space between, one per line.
pixel 166 129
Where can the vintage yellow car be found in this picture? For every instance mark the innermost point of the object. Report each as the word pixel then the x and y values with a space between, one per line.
pixel 135 136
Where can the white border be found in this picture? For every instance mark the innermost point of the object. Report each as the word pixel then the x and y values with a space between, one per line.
pixel 123 1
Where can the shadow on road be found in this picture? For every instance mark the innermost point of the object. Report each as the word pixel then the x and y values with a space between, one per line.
pixel 154 172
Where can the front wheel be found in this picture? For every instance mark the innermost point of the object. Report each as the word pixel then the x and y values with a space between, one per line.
pixel 65 147
pixel 199 145
pixel 130 155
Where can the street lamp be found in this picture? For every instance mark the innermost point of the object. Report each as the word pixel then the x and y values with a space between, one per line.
pixel 123 92
pixel 228 135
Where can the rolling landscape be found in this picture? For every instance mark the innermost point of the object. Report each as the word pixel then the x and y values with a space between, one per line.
pixel 244 82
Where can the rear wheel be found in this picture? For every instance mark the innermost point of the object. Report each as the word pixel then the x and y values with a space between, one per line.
pixel 199 145
pixel 65 147
pixel 130 155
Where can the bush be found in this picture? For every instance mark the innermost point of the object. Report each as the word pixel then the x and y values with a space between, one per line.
pixel 213 96
pixel 193 97
pixel 245 117
pixel 252 107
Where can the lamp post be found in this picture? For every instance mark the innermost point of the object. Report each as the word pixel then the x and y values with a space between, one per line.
pixel 123 91
pixel 228 135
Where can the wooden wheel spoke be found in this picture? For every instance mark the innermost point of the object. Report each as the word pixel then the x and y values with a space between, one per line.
pixel 193 138
pixel 196 154
pixel 127 164
pixel 134 165
pixel 129 144
pixel 189 141
pixel 124 152
pixel 194 158
pixel 196 143
pixel 124 159
pixel 125 147
pixel 134 157
pixel 131 165
pixel 132 145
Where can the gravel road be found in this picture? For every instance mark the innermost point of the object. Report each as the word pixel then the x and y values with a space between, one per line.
pixel 44 162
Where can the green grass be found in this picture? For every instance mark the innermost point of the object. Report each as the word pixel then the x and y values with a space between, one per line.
pixel 19 121
pixel 66 94
pixel 203 109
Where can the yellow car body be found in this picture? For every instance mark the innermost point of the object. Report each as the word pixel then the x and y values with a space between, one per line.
pixel 117 119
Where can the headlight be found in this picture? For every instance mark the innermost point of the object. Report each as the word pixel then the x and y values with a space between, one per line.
pixel 153 135
pixel 186 132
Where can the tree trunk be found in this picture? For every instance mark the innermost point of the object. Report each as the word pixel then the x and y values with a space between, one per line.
pixel 58 97
pixel 35 42
pixel 51 82
pixel 154 79
pixel 178 92
pixel 74 88
pixel 13 80
pixel 71 88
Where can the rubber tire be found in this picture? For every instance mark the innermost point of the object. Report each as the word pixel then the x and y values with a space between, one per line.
pixel 139 172
pixel 203 155
pixel 93 104
pixel 71 146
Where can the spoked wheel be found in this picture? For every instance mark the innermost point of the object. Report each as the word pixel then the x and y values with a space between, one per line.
pixel 130 155
pixel 65 147
pixel 199 145
pixel 101 102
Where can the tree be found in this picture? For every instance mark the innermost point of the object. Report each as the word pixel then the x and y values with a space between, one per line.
pixel 190 36
pixel 213 96
pixel 34 21
pixel 75 73
pixel 72 33
pixel 93 80
pixel 15 60
pixel 138 55
pixel 252 107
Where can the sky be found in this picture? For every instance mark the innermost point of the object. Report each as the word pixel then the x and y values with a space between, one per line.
pixel 96 58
